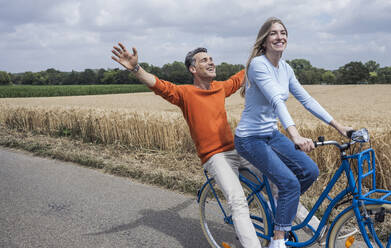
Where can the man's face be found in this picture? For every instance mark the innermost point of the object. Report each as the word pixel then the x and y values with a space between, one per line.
pixel 204 67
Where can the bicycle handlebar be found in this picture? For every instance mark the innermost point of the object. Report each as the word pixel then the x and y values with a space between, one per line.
pixel 341 146
pixel 361 135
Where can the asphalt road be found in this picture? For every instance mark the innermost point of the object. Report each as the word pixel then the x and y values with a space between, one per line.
pixel 48 203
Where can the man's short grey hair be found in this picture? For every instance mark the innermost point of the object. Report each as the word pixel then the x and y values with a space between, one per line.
pixel 190 60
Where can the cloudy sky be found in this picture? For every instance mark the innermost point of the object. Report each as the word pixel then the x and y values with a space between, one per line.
pixel 77 34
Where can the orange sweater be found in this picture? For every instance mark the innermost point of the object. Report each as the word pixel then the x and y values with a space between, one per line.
pixel 204 111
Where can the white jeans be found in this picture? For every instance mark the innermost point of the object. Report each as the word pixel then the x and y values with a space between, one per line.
pixel 224 167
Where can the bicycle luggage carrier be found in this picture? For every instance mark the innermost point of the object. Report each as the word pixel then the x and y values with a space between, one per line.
pixel 366 168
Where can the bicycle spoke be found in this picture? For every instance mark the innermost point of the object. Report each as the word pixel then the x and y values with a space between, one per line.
pixel 347 233
pixel 219 229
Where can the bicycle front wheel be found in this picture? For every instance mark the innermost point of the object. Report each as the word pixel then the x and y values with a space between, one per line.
pixel 217 227
pixel 346 232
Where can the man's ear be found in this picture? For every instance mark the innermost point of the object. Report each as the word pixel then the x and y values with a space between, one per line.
pixel 192 69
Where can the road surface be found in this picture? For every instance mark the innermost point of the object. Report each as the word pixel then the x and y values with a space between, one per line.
pixel 48 203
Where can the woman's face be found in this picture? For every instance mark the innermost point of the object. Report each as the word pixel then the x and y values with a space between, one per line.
pixel 277 39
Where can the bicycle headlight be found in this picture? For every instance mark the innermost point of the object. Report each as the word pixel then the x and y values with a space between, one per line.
pixel 361 135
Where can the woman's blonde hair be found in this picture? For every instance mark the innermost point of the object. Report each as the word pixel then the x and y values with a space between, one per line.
pixel 259 46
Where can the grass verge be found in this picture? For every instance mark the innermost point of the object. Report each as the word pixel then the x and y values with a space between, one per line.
pixel 166 169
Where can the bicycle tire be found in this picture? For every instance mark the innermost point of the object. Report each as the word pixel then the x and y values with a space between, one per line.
pixel 213 225
pixel 346 226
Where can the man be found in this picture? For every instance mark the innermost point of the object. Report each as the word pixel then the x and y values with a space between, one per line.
pixel 203 107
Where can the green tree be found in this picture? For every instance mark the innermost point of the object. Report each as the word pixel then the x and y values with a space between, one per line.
pixel 311 76
pixel 372 66
pixel 157 71
pixel 99 75
pixel 53 77
pixel 16 78
pixel 88 76
pixel 110 76
pixel 302 69
pixel 225 70
pixel 29 78
pixel 353 72
pixel 373 78
pixel 299 65
pixel 123 77
pixel 42 78
pixel 176 72
pixel 71 78
pixel 384 75
pixel 5 78
pixel 328 77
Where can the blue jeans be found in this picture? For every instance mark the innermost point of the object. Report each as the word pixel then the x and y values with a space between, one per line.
pixel 291 170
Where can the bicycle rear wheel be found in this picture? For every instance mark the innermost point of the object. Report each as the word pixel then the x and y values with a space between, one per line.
pixel 216 227
pixel 346 231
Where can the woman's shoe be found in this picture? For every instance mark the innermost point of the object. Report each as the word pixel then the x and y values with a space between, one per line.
pixel 278 243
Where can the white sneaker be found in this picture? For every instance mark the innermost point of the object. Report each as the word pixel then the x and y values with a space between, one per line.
pixel 279 243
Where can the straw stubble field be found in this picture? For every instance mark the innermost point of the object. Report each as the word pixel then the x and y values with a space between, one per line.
pixel 143 136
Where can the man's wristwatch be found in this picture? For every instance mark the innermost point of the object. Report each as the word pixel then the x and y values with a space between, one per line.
pixel 136 68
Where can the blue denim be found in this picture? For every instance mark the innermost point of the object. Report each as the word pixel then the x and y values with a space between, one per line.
pixel 291 170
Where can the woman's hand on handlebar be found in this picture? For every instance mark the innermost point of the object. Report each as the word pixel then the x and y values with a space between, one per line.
pixel 347 131
pixel 344 130
pixel 304 144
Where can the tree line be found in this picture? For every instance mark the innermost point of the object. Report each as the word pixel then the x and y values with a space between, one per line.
pixel 351 73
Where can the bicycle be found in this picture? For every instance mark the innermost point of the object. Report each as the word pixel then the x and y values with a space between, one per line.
pixel 360 223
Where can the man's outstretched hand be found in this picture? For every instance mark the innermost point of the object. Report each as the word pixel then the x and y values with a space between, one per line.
pixel 124 57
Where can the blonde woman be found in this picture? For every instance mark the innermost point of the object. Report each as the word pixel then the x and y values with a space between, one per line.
pixel 269 82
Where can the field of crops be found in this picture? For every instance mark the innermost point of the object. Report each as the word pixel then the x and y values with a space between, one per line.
pixel 354 105
pixel 146 121
pixel 68 90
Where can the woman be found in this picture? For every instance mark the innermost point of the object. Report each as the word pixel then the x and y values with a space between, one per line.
pixel 257 139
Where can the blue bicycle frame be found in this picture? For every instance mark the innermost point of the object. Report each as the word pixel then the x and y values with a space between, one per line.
pixel 354 187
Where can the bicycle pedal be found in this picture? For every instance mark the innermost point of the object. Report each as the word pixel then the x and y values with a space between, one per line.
pixel 379 216
pixel 322 236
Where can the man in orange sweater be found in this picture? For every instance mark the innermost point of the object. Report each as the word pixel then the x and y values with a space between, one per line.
pixel 203 107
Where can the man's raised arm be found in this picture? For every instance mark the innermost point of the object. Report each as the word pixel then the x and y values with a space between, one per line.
pixel 130 62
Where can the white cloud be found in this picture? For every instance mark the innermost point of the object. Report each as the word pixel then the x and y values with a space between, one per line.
pixel 79 34
pixel 67 12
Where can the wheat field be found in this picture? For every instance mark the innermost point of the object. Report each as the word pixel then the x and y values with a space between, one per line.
pixel 354 105
pixel 144 120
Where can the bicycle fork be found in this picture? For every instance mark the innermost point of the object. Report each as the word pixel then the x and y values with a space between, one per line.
pixel 364 220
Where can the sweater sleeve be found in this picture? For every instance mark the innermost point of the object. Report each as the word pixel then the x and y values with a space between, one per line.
pixel 260 75
pixel 169 91
pixel 233 83
pixel 306 99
